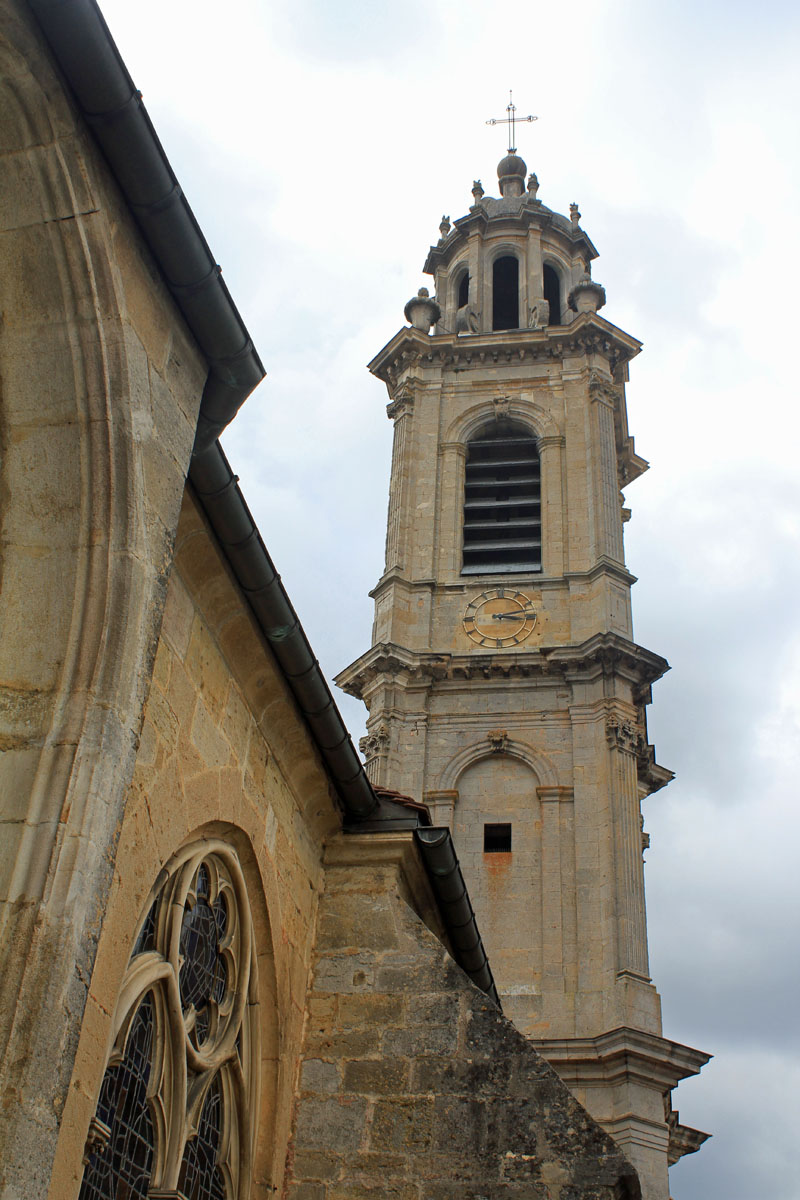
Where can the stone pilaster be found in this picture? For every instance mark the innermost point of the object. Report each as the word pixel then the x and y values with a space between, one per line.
pixel 452 457
pixel 401 412
pixel 624 739
pixel 609 516
pixel 554 502
pixel 558 882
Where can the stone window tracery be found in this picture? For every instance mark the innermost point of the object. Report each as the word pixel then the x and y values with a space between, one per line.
pixel 178 1104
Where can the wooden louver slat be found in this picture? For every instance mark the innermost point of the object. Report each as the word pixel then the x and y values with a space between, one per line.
pixel 502 505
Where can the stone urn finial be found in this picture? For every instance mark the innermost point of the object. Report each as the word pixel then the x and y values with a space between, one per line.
pixel 574 215
pixel 533 185
pixel 586 296
pixel 477 191
pixel 421 311
pixel 444 227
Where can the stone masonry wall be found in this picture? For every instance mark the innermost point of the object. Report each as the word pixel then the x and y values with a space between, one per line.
pixel 222 753
pixel 413 1084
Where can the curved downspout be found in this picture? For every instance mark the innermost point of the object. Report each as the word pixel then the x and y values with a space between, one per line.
pixel 441 863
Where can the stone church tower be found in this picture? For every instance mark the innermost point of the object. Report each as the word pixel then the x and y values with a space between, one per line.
pixel 503 683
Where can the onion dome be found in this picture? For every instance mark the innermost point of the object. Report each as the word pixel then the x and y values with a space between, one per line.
pixel 511 172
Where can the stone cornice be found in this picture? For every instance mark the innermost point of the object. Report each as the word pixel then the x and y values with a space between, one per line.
pixel 603 566
pixel 518 218
pixel 603 654
pixel 588 333
pixel 622 1053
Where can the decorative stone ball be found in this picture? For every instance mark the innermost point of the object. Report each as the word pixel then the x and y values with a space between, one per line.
pixel 511 172
pixel 512 164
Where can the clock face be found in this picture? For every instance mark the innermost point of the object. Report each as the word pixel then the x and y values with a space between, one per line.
pixel 499 617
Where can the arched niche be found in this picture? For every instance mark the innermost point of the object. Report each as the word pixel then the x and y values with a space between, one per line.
pixel 497 833
pixel 469 422
pixel 540 764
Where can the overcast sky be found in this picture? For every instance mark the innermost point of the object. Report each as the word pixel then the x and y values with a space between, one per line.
pixel 319 144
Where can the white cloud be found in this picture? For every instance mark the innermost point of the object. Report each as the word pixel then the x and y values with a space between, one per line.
pixel 319 146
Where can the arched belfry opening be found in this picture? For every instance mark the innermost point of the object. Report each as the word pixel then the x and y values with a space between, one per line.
pixel 462 290
pixel 505 293
pixel 502 501
pixel 552 293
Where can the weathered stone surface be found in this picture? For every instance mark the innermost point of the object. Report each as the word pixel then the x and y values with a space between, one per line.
pixel 336 1124
pixel 449 1099
pixel 503 685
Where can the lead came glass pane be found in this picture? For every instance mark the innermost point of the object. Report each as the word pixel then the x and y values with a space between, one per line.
pixel 122 1170
pixel 203 974
pixel 147 934
pixel 200 1177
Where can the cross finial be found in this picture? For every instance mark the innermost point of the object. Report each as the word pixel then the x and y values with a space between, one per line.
pixel 510 121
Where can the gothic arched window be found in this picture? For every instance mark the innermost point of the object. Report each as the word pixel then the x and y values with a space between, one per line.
pixel 505 293
pixel 552 293
pixel 179 1099
pixel 502 502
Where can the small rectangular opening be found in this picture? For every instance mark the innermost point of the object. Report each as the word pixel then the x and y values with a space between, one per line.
pixel 497 839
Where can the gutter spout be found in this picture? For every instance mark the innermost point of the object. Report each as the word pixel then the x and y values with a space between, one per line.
pixel 444 871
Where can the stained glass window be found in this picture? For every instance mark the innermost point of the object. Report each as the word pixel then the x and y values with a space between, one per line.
pixel 182 1032
pixel 203 973
pixel 121 1169
pixel 147 934
pixel 200 1178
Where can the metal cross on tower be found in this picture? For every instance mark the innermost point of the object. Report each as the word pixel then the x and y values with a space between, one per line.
pixel 510 121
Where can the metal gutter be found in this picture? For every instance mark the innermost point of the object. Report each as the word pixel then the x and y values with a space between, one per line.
pixel 231 520
pixel 441 863
pixel 112 107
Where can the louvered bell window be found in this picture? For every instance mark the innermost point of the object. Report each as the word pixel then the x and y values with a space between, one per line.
pixel 502 503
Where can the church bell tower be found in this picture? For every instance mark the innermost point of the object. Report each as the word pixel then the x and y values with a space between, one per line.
pixel 503 683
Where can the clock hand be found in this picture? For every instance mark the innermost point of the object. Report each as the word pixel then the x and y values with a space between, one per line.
pixel 513 616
